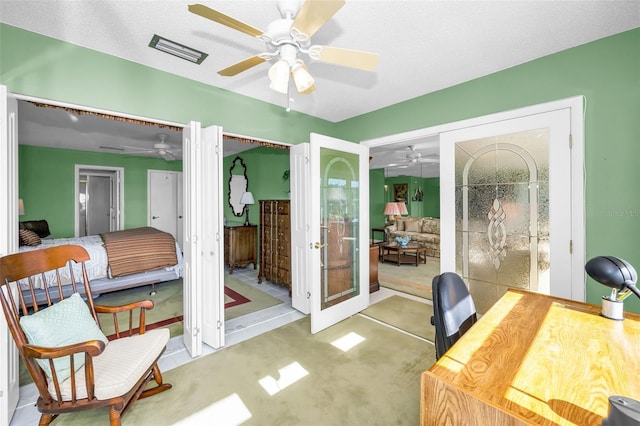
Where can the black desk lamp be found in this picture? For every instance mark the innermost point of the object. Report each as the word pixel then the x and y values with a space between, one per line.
pixel 617 274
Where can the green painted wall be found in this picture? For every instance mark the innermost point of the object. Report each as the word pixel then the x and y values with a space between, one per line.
pixel 430 205
pixel 40 66
pixel 265 167
pixel 47 178
pixel 607 73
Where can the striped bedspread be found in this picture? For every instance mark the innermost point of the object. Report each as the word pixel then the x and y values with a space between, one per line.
pixel 139 250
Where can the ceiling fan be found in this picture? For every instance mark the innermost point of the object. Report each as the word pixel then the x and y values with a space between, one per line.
pixel 161 149
pixel 415 157
pixel 288 39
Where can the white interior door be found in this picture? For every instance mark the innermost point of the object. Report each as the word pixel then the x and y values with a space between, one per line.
pixel 192 259
pixel 9 378
pixel 203 239
pixel 212 234
pixel 300 227
pixel 164 201
pixel 500 145
pixel 338 252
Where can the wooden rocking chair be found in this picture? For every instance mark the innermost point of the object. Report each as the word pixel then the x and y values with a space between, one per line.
pixel 72 363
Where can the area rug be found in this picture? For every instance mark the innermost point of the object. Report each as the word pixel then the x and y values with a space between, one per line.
pixel 406 314
pixel 240 299
pixel 409 279
pixel 291 377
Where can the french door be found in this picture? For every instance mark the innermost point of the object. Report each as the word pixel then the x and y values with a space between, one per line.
pixel 506 203
pixel 335 196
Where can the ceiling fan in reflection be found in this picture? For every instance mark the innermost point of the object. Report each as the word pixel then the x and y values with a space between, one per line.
pixel 161 149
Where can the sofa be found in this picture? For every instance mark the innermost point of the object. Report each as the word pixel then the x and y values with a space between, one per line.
pixel 422 230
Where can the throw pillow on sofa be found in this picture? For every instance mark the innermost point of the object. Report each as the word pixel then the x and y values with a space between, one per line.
pixel 412 226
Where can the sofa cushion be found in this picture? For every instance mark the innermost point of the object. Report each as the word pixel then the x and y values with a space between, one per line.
pixel 413 226
pixel 430 226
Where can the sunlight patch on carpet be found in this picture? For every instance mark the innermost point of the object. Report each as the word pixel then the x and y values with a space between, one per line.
pixel 288 376
pixel 348 341
pixel 227 412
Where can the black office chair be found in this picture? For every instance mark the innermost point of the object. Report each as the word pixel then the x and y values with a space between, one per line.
pixel 453 310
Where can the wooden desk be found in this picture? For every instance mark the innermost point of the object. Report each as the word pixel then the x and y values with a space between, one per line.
pixel 534 359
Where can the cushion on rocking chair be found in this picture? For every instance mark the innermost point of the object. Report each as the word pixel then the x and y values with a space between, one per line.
pixel 119 367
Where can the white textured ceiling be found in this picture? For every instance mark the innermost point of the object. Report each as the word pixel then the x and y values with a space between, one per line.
pixel 424 46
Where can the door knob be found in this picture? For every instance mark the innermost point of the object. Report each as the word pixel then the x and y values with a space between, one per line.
pixel 318 245
pixel 155 217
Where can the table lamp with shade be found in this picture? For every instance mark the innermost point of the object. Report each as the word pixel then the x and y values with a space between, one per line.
pixel 20 207
pixel 392 210
pixel 402 206
pixel 620 276
pixel 247 199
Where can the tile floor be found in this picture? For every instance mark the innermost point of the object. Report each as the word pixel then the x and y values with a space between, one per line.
pixel 237 330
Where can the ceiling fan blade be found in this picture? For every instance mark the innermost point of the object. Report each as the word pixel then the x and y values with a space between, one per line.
pixel 241 66
pixel 221 18
pixel 135 149
pixel 312 15
pixel 346 57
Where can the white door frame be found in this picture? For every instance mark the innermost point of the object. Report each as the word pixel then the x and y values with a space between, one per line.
pixel 9 377
pixel 119 171
pixel 575 105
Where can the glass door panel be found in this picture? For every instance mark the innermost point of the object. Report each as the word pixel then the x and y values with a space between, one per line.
pixel 339 218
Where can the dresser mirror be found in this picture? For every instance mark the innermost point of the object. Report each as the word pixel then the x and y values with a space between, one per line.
pixel 238 184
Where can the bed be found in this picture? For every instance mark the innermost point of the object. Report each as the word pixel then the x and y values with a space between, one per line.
pixel 119 260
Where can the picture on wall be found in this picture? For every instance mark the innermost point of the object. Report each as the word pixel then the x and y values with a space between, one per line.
pixel 400 191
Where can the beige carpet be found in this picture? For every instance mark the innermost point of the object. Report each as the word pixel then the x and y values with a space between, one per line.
pixel 408 278
pixel 406 314
pixel 376 382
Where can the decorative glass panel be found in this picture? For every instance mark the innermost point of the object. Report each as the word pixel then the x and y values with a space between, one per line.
pixel 502 211
pixel 339 197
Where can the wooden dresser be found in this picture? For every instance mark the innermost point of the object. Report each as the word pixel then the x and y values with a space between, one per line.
pixel 239 246
pixel 275 242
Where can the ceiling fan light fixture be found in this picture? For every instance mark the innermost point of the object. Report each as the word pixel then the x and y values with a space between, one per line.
pixel 279 76
pixel 301 77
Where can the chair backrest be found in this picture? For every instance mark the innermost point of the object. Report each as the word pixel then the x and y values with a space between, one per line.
pixel 31 271
pixel 453 310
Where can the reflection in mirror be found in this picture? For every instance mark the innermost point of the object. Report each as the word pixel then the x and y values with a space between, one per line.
pixel 238 184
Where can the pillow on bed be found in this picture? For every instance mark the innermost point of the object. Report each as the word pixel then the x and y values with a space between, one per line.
pixel 65 323
pixel 28 238
pixel 40 227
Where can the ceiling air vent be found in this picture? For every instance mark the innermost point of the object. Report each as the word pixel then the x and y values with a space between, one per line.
pixel 177 49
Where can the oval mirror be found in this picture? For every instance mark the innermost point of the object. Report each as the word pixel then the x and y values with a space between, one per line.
pixel 238 184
